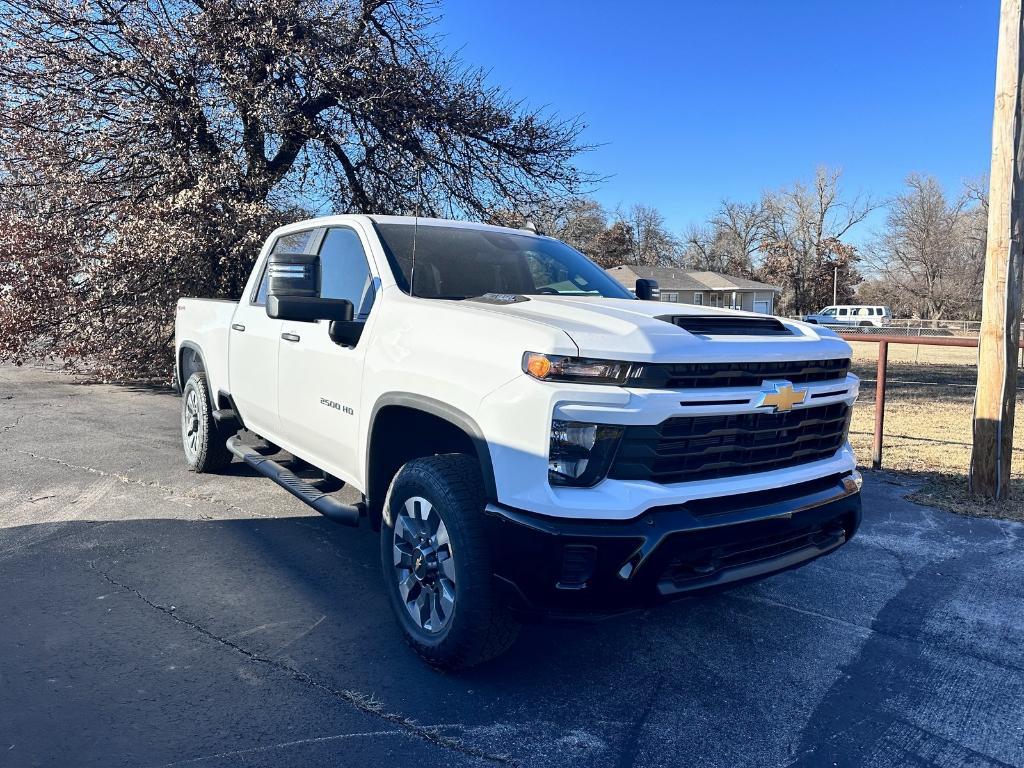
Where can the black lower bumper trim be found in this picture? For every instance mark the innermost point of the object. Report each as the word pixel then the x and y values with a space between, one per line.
pixel 666 552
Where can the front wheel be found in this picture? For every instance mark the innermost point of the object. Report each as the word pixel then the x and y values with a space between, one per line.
pixel 437 565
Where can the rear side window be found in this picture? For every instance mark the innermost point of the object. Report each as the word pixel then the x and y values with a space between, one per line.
pixel 344 273
pixel 295 242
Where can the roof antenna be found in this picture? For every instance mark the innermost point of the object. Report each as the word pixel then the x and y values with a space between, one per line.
pixel 416 223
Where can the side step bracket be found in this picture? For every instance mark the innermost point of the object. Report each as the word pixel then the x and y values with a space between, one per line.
pixel 326 505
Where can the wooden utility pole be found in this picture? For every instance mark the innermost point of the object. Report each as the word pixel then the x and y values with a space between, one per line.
pixel 1001 300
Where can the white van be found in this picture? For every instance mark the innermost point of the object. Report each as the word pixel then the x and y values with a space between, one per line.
pixel 852 314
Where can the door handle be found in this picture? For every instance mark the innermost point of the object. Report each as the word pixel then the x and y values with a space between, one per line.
pixel 290 336
pixel 237 327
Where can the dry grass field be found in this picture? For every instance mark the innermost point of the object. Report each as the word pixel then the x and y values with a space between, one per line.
pixel 928 412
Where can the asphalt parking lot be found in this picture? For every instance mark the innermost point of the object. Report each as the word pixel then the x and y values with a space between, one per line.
pixel 153 617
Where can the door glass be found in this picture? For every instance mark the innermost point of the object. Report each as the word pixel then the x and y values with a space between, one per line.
pixel 842 312
pixel 344 273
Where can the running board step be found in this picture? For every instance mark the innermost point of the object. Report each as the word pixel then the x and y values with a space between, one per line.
pixel 328 506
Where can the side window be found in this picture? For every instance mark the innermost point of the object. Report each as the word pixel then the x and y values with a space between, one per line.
pixel 296 242
pixel 344 273
pixel 842 312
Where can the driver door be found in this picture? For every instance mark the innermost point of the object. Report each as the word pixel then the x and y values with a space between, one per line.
pixel 321 381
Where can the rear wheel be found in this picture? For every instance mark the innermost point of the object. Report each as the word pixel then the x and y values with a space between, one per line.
pixel 437 566
pixel 202 439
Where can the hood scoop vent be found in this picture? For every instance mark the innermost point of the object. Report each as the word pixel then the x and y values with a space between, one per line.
pixel 728 325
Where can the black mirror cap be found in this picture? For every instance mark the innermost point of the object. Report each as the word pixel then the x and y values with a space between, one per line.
pixel 306 309
pixel 346 333
pixel 293 274
pixel 647 290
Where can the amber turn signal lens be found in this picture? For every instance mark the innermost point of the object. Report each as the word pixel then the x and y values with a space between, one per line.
pixel 538 365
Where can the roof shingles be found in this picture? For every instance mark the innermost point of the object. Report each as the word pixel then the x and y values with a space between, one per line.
pixel 677 279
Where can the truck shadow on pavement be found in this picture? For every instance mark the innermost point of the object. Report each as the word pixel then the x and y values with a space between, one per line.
pixel 186 630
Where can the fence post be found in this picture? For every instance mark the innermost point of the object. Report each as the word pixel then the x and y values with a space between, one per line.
pixel 883 362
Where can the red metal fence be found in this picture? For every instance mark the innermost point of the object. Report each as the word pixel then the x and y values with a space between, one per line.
pixel 883 362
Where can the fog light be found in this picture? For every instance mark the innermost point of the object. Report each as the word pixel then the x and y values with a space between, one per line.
pixel 579 454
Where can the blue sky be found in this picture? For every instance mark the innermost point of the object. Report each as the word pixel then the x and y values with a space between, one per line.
pixel 693 102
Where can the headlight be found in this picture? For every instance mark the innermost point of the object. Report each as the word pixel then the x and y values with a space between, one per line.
pixel 577 369
pixel 580 454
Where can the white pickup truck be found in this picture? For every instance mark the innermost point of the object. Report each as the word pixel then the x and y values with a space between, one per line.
pixel 530 438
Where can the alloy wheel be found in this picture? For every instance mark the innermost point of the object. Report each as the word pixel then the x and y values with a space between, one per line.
pixel 424 565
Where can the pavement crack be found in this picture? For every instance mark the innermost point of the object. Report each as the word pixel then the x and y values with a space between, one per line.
pixel 151 484
pixel 882 630
pixel 12 425
pixel 364 703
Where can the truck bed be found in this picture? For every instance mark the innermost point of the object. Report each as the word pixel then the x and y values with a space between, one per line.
pixel 205 324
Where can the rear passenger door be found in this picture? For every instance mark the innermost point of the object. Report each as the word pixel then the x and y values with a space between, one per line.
pixel 254 345
pixel 321 381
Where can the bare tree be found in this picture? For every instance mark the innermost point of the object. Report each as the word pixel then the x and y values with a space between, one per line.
pixel 932 252
pixel 700 248
pixel 740 228
pixel 579 221
pixel 803 243
pixel 651 242
pixel 146 147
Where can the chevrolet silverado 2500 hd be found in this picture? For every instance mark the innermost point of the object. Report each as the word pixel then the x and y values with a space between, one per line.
pixel 529 437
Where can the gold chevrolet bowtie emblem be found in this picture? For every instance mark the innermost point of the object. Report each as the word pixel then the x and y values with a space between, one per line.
pixel 782 397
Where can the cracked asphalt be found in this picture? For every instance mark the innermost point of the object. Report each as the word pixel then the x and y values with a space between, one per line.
pixel 154 617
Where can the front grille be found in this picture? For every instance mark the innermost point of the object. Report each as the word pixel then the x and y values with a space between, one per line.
pixel 687 448
pixel 704 375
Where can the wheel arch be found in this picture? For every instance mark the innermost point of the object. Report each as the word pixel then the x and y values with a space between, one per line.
pixel 188 359
pixel 429 426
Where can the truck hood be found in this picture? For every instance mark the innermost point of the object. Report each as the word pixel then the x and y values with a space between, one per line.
pixel 625 329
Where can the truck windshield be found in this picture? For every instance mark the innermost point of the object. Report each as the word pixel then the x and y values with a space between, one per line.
pixel 461 263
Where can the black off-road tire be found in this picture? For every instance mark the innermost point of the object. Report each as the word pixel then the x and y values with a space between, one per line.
pixel 202 439
pixel 479 628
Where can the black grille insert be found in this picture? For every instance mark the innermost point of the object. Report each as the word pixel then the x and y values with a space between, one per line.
pixel 687 448
pixel 708 375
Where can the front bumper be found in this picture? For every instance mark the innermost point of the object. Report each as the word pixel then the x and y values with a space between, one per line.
pixel 581 568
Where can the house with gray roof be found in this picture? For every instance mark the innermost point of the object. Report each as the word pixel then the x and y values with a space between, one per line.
pixel 708 289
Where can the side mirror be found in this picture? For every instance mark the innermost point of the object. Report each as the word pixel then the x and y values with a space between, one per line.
pixel 293 274
pixel 647 290
pixel 306 309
